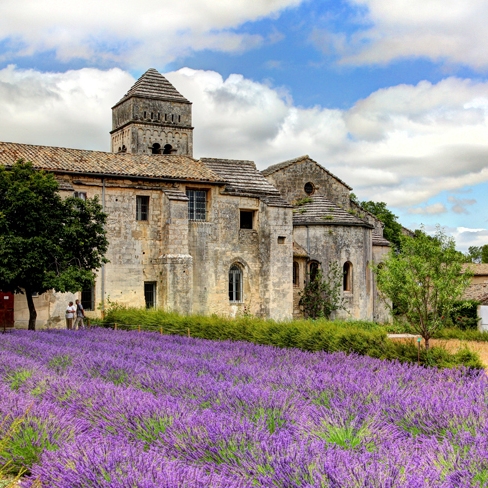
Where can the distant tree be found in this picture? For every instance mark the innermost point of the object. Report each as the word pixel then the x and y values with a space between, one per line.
pixel 46 242
pixel 425 280
pixel 477 254
pixel 323 295
pixel 392 230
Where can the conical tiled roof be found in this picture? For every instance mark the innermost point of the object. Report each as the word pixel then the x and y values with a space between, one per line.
pixel 153 84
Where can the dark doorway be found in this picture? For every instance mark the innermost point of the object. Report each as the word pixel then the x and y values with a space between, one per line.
pixel 167 149
pixel 6 310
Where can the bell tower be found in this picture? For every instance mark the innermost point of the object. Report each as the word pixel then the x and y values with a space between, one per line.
pixel 152 118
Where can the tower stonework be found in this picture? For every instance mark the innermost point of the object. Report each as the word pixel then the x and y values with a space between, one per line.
pixel 152 118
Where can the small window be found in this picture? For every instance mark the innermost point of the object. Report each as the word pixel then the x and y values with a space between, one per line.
pixel 152 115
pixel 159 116
pixel 142 208
pixel 313 269
pixel 144 114
pixel 179 118
pixel 167 149
pixel 246 219
pixel 80 194
pixel 281 239
pixel 309 188
pixel 166 117
pixel 150 294
pixel 296 274
pixel 172 117
pixel 88 298
pixel 235 284
pixel 347 278
pixel 197 204
pixel 124 149
pixel 156 148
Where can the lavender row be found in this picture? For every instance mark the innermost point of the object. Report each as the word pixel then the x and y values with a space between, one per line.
pixel 123 409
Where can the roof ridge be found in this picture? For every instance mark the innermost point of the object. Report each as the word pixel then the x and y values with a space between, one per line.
pixel 152 84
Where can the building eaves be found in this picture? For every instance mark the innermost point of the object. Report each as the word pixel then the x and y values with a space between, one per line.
pixel 318 210
pixel 243 179
pixel 285 164
pixel 153 84
pixel 79 161
pixel 175 194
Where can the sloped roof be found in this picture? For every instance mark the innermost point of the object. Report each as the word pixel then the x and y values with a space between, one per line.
pixel 299 251
pixel 318 210
pixel 379 240
pixel 242 178
pixel 279 166
pixel 153 84
pixel 478 269
pixel 175 194
pixel 64 160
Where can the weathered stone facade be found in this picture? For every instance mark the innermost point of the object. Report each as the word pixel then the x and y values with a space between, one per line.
pixel 208 236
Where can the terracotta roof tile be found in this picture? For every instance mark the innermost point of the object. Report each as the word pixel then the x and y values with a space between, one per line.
pixel 242 178
pixel 153 84
pixel 318 210
pixel 64 160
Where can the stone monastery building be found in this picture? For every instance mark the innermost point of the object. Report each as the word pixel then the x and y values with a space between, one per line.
pixel 207 236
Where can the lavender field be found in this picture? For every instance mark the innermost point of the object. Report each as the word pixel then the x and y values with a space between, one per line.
pixel 125 409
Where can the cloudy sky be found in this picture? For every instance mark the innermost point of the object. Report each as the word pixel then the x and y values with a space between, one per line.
pixel 390 95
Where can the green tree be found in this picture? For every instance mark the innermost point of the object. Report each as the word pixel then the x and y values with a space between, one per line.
pixel 46 242
pixel 323 295
pixel 477 254
pixel 425 280
pixel 392 230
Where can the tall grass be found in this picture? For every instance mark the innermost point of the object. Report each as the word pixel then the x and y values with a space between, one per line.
pixel 9 477
pixel 360 337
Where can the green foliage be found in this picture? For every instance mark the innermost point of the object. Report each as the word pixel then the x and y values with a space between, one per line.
pixel 9 474
pixel 46 242
pixel 392 230
pixel 302 201
pixel 425 281
pixel 323 296
pixel 351 337
pixel 25 445
pixel 465 314
pixel 60 363
pixel 477 254
pixel 18 378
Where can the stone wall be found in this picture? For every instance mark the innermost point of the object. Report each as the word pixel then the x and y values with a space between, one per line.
pixel 292 179
pixel 343 244
pixel 139 123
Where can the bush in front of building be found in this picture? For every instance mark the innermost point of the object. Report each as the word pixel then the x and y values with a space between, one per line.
pixel 365 338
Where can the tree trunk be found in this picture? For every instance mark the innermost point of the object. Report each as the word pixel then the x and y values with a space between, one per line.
pixel 426 343
pixel 32 310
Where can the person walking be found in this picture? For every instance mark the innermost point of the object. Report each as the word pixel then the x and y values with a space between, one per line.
pixel 70 315
pixel 80 315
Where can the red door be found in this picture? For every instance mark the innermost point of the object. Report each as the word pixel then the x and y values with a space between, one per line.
pixel 6 309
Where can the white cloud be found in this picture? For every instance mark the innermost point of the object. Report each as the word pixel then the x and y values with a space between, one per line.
pixel 434 209
pixel 127 32
pixel 466 237
pixel 450 31
pixel 402 145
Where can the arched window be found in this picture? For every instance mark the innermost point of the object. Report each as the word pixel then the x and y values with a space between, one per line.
pixel 167 149
pixel 313 269
pixel 347 277
pixel 235 284
pixel 124 149
pixel 156 148
pixel 296 274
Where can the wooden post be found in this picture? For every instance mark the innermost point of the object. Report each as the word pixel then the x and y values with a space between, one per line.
pixel 139 328
pixel 115 326
pixel 161 330
pixel 188 332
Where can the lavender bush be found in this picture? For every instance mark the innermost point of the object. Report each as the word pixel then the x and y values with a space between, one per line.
pixel 102 408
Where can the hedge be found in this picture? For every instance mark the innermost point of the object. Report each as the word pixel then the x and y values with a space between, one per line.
pixel 360 337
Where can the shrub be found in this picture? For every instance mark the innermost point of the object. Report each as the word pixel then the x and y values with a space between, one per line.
pixel 361 337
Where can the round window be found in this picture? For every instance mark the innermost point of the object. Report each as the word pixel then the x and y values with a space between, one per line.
pixel 309 188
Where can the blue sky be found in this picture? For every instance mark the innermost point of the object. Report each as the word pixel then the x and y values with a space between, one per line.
pixel 390 95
